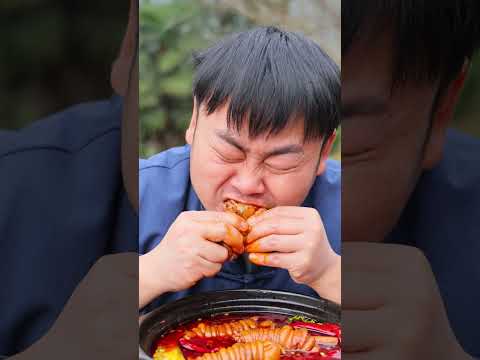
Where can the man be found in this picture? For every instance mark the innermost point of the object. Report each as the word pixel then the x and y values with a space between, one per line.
pixel 404 64
pixel 266 106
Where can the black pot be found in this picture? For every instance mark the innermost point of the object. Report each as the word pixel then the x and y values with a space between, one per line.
pixel 251 301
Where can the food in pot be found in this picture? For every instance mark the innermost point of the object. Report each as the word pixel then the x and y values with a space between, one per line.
pixel 288 337
pixel 258 350
pixel 223 329
pixel 260 337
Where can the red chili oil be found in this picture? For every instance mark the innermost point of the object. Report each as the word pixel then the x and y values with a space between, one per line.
pixel 171 339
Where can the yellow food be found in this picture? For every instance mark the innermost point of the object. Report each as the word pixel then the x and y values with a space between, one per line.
pixel 170 354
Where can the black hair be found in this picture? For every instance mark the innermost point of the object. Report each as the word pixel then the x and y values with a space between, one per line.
pixel 270 77
pixel 430 39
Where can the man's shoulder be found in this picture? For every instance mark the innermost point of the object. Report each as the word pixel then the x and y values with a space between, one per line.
pixel 165 173
pixel 330 180
pixel 441 219
pixel 68 131
pixel 446 202
pixel 333 171
pixel 325 196
pixel 164 186
pixel 169 160
pixel 459 170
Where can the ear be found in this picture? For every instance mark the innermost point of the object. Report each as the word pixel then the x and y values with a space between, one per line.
pixel 442 118
pixel 193 124
pixel 327 149
pixel 121 66
pixel 129 139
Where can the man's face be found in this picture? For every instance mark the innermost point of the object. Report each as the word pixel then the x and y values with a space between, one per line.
pixel 384 145
pixel 265 171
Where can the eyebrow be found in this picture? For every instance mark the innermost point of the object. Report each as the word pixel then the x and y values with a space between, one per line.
pixel 365 105
pixel 225 136
pixel 282 150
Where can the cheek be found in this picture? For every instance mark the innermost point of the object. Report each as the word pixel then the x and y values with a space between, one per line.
pixel 298 185
pixel 374 193
pixel 206 164
pixel 208 176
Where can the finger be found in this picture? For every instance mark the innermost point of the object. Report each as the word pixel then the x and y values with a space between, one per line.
pixel 275 243
pixel 275 227
pixel 217 216
pixel 221 232
pixel 290 212
pixel 212 252
pixel 212 230
pixel 276 260
pixel 234 239
pixel 218 232
pixel 355 338
pixel 207 268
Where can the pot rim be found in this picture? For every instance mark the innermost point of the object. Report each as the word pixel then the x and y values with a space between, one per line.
pixel 239 301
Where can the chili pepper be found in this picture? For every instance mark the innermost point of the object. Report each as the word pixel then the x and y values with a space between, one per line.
pixel 324 329
pixel 331 354
pixel 191 345
pixel 206 345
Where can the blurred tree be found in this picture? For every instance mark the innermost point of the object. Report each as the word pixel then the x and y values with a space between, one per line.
pixel 54 54
pixel 466 117
pixel 318 19
pixel 171 30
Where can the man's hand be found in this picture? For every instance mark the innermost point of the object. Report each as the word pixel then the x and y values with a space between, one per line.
pixel 189 252
pixel 391 306
pixel 293 238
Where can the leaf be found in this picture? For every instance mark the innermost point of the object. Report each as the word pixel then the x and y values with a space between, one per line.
pixel 301 318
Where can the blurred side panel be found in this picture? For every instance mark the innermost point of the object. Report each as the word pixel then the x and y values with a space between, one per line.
pixel 67 227
pixel 410 179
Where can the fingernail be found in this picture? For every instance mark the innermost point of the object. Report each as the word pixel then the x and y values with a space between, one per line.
pixel 252 248
pixel 259 259
pixel 244 226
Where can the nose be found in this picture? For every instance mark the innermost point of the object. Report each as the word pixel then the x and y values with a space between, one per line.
pixel 248 181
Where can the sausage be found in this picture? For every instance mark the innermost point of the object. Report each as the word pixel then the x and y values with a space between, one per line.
pixel 288 337
pixel 258 350
pixel 225 329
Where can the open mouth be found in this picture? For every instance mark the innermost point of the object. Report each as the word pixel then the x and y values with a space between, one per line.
pixel 243 210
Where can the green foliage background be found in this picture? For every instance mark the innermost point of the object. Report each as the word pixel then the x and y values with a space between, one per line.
pixel 55 54
pixel 170 31
pixel 169 34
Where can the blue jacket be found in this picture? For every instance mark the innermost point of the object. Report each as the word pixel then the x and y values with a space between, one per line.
pixel 62 207
pixel 442 220
pixel 166 191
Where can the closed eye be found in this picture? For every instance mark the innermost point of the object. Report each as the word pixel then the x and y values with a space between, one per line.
pixel 358 156
pixel 283 163
pixel 229 156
